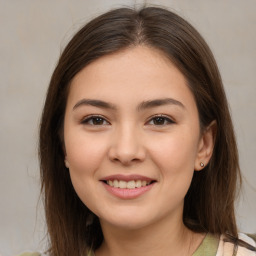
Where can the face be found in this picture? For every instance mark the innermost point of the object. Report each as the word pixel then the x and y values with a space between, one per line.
pixel 132 138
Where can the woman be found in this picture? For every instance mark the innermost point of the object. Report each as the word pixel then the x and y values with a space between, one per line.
pixel 137 149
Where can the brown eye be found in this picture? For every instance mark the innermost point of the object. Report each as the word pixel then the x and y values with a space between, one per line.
pixel 95 120
pixel 98 121
pixel 160 120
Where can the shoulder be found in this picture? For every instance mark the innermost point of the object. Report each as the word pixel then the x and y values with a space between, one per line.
pixel 246 246
pixel 90 253
pixel 30 254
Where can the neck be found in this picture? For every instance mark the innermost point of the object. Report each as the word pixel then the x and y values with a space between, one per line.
pixel 156 239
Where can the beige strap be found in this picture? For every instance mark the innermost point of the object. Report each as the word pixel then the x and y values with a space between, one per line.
pixel 229 249
pixel 30 254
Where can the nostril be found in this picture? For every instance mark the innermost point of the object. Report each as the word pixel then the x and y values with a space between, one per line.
pixel 126 152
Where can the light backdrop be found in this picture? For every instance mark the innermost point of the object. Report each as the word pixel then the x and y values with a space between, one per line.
pixel 33 32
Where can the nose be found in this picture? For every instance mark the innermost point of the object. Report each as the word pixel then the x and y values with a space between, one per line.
pixel 127 146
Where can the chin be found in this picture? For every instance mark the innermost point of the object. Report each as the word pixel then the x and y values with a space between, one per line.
pixel 128 221
pixel 127 225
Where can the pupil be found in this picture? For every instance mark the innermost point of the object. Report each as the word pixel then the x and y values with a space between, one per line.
pixel 159 120
pixel 97 121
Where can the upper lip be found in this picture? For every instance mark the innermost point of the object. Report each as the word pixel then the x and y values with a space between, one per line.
pixel 127 177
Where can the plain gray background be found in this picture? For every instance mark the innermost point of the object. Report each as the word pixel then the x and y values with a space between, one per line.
pixel 33 32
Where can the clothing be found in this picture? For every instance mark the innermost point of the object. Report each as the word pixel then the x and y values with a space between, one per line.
pixel 30 254
pixel 227 248
pixel 210 246
pixel 214 246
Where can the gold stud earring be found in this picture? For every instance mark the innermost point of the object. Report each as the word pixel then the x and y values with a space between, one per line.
pixel 202 164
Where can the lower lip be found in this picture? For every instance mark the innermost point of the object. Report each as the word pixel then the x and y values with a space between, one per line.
pixel 126 193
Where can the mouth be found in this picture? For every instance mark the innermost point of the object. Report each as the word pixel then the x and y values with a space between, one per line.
pixel 128 186
pixel 131 184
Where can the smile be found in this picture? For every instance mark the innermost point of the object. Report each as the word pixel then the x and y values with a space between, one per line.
pixel 132 184
pixel 128 186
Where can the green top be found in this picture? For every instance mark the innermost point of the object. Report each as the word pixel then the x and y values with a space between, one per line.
pixel 208 247
pixel 30 254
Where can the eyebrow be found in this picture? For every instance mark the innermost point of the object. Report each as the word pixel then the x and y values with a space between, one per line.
pixel 95 103
pixel 159 102
pixel 142 106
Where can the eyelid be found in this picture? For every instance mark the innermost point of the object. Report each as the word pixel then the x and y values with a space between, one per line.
pixel 166 117
pixel 86 119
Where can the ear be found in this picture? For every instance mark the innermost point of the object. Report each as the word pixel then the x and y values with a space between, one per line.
pixel 61 136
pixel 66 162
pixel 205 146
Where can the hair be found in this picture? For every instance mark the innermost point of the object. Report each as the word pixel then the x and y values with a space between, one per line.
pixel 209 202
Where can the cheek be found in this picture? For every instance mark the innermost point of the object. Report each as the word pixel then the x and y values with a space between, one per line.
pixel 175 158
pixel 85 154
pixel 174 152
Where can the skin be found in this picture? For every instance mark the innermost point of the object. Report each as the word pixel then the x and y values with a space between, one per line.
pixel 127 139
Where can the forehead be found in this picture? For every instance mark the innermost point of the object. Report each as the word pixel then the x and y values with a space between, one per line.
pixel 141 59
pixel 140 73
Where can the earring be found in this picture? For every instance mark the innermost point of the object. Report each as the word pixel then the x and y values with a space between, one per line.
pixel 202 164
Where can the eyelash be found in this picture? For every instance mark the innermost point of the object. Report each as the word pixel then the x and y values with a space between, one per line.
pixel 167 120
pixel 90 120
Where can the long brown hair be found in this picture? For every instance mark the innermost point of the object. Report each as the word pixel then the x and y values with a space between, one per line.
pixel 209 203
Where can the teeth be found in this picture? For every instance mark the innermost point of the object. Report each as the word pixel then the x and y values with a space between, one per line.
pixel 115 183
pixel 137 183
pixel 122 184
pixel 130 184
